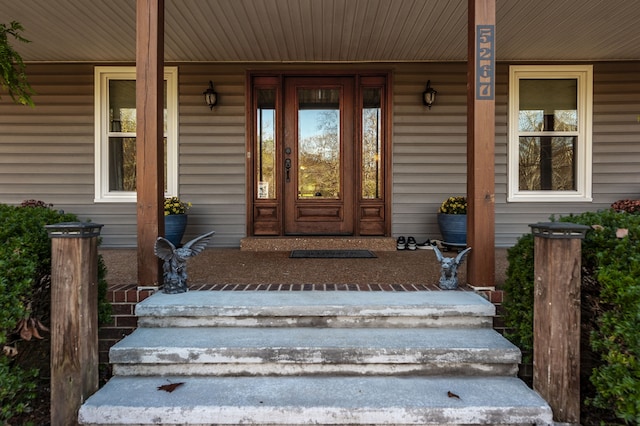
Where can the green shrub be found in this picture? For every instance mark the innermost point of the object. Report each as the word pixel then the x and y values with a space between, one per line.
pixel 610 306
pixel 25 272
pixel 518 303
pixel 616 339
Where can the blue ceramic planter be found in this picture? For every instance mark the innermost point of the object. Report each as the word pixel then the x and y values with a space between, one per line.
pixel 453 228
pixel 174 227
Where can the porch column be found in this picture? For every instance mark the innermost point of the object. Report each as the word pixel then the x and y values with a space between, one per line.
pixel 480 142
pixel 149 136
pixel 556 317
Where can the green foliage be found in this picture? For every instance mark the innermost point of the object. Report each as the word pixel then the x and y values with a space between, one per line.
pixel 518 303
pixel 616 340
pixel 25 270
pixel 13 77
pixel 16 389
pixel 611 267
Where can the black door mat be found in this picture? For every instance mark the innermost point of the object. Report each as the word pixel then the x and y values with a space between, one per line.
pixel 332 254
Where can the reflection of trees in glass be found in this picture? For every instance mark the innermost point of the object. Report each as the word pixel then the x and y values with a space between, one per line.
pixel 122 163
pixel 546 161
pixel 128 125
pixel 371 153
pixel 266 150
pixel 319 154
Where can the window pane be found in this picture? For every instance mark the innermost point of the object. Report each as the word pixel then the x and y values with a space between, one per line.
pixel 319 143
pixel 122 106
pixel 266 140
pixel 547 163
pixel 122 129
pixel 548 105
pixel 122 164
pixel 371 143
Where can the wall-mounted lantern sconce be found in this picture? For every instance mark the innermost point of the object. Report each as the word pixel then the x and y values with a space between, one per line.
pixel 429 95
pixel 210 96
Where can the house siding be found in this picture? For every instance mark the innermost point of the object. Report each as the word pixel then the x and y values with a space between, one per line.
pixel 47 152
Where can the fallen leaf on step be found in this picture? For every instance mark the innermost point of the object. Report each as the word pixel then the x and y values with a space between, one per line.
pixel 9 351
pixel 170 387
pixel 452 395
pixel 622 232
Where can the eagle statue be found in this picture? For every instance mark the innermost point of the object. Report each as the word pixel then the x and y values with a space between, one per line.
pixel 175 261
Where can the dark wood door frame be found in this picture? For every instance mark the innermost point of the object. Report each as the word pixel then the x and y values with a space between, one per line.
pixel 371 216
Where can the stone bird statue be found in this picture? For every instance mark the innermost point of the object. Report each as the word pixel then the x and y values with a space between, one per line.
pixel 449 268
pixel 175 261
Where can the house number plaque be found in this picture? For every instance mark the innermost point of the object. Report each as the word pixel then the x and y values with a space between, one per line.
pixel 485 62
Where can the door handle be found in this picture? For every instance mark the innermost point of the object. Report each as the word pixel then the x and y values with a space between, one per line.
pixel 287 168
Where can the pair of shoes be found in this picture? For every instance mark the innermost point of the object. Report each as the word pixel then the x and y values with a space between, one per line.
pixel 401 244
pixel 411 243
pixel 427 245
pixel 406 244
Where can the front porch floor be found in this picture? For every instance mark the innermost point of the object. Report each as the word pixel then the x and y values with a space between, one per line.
pixel 236 269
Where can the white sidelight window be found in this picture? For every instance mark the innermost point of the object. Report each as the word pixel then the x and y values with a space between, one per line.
pixel 550 119
pixel 115 133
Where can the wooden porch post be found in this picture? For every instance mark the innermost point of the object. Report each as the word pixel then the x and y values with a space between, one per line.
pixel 149 136
pixel 480 142
pixel 556 317
pixel 74 318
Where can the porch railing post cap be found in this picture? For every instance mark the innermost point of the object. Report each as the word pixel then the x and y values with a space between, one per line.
pixel 558 230
pixel 74 230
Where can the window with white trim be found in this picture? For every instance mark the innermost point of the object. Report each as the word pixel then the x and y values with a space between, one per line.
pixel 115 133
pixel 550 109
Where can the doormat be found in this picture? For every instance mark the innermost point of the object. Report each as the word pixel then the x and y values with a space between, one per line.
pixel 332 254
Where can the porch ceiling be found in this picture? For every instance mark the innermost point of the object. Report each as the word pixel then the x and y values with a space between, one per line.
pixel 327 30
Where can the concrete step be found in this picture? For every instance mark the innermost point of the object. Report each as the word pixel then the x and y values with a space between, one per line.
pixel 316 309
pixel 314 351
pixel 315 400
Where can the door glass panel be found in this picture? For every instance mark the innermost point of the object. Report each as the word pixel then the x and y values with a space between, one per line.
pixel 318 143
pixel 371 143
pixel 266 140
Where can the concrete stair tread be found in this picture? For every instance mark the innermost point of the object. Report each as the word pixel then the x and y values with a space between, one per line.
pixel 315 345
pixel 320 303
pixel 316 400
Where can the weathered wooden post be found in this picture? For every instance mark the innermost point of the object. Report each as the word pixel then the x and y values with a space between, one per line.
pixel 74 318
pixel 556 317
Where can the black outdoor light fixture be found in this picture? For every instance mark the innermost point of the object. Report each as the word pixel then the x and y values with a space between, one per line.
pixel 210 96
pixel 429 95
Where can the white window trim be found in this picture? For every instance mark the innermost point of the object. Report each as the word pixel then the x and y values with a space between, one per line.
pixel 102 75
pixel 584 76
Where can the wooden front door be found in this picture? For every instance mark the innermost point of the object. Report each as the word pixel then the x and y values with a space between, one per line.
pixel 318 161
pixel 317 157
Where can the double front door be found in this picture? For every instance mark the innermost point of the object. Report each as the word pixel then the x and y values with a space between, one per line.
pixel 318 163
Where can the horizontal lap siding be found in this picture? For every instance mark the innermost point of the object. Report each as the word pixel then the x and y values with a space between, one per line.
pixel 46 152
pixel 429 145
pixel 616 132
pixel 429 148
pixel 212 152
pixel 616 151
